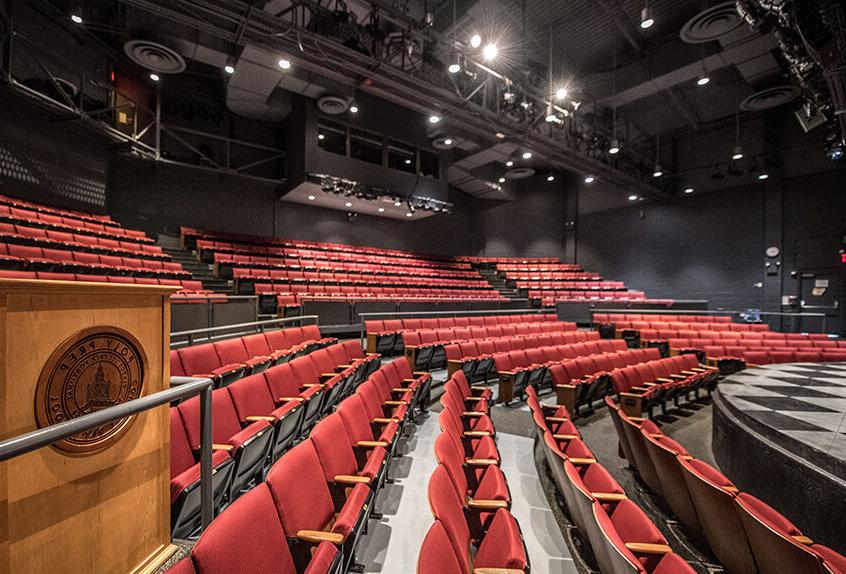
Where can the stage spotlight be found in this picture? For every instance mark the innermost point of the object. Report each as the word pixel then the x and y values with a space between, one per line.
pixel 589 179
pixel 738 152
pixel 76 18
pixel 763 175
pixel 550 177
pixel 475 40
pixel 509 163
pixel 527 155
pixel 311 198
pixel 353 109
pixel 646 19
pixel 658 171
pixel 490 52
pixel 229 69
pixel 285 64
pixel 703 80
pixel 381 210
pixel 433 119
pixel 155 77
pixel 633 197
pixel 561 93
pixel 688 190
pixel 615 147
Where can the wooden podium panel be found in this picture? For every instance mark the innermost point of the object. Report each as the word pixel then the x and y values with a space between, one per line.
pixel 105 511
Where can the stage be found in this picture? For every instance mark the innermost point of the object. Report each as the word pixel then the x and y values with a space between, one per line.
pixel 780 434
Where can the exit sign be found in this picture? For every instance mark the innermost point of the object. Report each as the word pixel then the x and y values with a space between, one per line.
pixel 843 257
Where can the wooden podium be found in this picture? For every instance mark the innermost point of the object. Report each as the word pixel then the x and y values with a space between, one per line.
pixel 98 503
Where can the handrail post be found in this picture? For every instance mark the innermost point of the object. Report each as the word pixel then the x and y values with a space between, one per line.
pixel 206 494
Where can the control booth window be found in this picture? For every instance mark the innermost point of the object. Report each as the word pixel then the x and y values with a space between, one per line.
pixel 430 165
pixel 402 157
pixel 332 137
pixel 366 147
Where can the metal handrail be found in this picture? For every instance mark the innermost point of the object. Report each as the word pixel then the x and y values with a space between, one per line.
pixel 254 326
pixel 184 388
pixel 411 314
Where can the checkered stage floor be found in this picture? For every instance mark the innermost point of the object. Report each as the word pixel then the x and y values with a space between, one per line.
pixel 804 401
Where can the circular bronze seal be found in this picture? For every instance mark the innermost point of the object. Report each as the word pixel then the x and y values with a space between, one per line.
pixel 94 369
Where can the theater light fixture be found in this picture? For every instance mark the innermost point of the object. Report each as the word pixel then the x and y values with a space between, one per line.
pixel 155 77
pixel 501 180
pixel 475 40
pixel 550 177
pixel 311 198
pixel 455 67
pixel 738 149
pixel 448 141
pixel 490 52
pixel 285 64
pixel 633 197
pixel 688 190
pixel 397 203
pixel 561 93
pixel 703 80
pixel 433 119
pixel 321 137
pixel 500 135
pixel 658 171
pixel 409 214
pixel 763 175
pixel 646 18
pixel 615 147
pixel 76 18
pixel 353 109
pixel 229 69
pixel 381 210
pixel 590 179
pixel 348 204
pixel 509 163
pixel 738 152
pixel 527 155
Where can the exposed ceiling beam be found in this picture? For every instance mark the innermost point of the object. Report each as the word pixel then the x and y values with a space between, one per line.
pixel 625 28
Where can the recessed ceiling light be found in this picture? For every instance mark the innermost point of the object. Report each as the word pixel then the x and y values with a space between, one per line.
pixel 397 203
pixel 500 135
pixel 76 18
pixel 348 204
pixel 321 137
pixel 688 190
pixel 229 69
pixel 155 77
pixel 550 177
pixel 311 198
pixel 381 210
pixel 763 176
pixel 454 68
pixel 703 80
pixel 502 180
pixel 433 119
pixel 408 162
pixel 646 19
pixel 475 40
pixel 527 155
pixel 615 147
pixel 285 64
pixel 490 52
pixel 353 109
pixel 409 214
pixel 658 171
pixel 448 141
pixel 509 163
pixel 738 152
pixel 589 179
pixel 633 197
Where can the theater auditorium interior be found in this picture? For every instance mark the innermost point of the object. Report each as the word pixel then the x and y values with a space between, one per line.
pixel 422 286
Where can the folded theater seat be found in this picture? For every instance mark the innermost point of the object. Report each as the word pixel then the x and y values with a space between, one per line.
pixel 311 512
pixel 250 537
pixel 185 519
pixel 203 361
pixel 248 445
pixel 233 351
pixel 447 547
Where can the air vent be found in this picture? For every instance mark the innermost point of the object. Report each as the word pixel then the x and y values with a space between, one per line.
pixel 332 105
pixel 770 98
pixel 711 24
pixel 154 57
pixel 519 173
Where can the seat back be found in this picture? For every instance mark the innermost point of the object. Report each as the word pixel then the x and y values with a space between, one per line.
pixel 437 555
pixel 665 461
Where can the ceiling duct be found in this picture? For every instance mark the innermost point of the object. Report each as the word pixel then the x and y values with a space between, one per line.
pixel 711 24
pixel 770 98
pixel 332 105
pixel 155 57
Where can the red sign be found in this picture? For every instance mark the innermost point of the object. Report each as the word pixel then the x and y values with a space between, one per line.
pixel 843 257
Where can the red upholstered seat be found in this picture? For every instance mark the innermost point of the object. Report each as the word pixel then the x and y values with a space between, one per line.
pixel 437 554
pixel 203 360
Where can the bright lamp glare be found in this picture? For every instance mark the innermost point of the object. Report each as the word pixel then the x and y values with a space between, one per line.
pixel 285 64
pixel 348 204
pixel 527 155
pixel 476 40
pixel 703 80
pixel 589 179
pixel 76 18
pixel 688 190
pixel 433 119
pixel 229 69
pixel 633 197
pixel 490 52
pixel 763 176
pixel 561 93
pixel 502 180
pixel 353 109
pixel 311 198
pixel 397 203
pixel 381 210
pixel 614 150
pixel 550 178
pixel 647 23
pixel 454 68
pixel 154 77
pixel 509 163
pixel 409 214
pixel 448 141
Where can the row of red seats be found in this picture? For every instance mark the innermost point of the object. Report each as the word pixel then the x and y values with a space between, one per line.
pixel 758 341
pixel 587 296
pixel 605 318
pixel 533 267
pixel 511 260
pixel 564 285
pixel 552 277
pixel 190 236
pixel 372 292
pixel 70 224
pixel 229 360
pixel 31 258
pixel 190 290
pixel 285 299
pixel 689 329
pixel 245 277
pixel 644 386
pixel 474 530
pixel 474 357
pixel 766 357
pixel 425 348
pixel 622 537
pixel 78 241
pixel 83 215
pixel 314 506
pixel 226 261
pixel 255 420
pixel 745 533
pixel 344 270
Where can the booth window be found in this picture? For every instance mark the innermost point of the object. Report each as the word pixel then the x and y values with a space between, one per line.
pixel 366 147
pixel 402 157
pixel 332 137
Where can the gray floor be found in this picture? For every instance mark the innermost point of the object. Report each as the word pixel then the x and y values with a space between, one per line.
pixel 393 543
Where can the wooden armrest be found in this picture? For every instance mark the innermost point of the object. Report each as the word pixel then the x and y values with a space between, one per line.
pixel 478 388
pixel 609 496
pixel 409 380
pixel 730 489
pixel 371 443
pixel 637 419
pixel 473 399
pixel 226 447
pixel 384 421
pixel 563 386
pixel 289 399
pixel 350 479
pixel 486 504
pixel 342 367
pixel 254 418
pixel 678 377
pixel 581 461
pixel 419 374
pixel 664 380
pixel 472 414
pixel 309 385
pixel 688 373
pixel 686 457
pixel 497 571
pixel 647 548
pixel 656 434
pixel 802 539
pixel 399 390
pixel 647 385
pixel 699 369
pixel 481 461
pixel 395 403
pixel 565 436
pixel 476 433
pixel 318 536
pixel 556 419
pixel 509 373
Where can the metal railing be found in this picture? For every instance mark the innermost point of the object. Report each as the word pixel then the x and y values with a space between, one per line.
pixel 184 387
pixel 720 312
pixel 210 334
pixel 416 314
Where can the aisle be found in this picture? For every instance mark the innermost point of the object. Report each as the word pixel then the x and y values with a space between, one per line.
pixel 393 543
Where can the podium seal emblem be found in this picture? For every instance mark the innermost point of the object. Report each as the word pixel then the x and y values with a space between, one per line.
pixel 94 369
